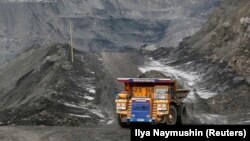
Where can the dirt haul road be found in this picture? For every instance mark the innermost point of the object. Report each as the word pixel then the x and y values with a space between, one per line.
pixel 92 133
pixel 116 65
pixel 113 65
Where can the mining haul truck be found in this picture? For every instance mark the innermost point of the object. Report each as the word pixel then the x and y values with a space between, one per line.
pixel 152 100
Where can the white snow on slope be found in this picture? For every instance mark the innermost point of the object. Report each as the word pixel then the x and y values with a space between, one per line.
pixel 190 80
pixel 81 116
pixel 91 90
pixel 88 97
pixel 75 106
pixel 95 111
pixel 212 118
pixel 110 122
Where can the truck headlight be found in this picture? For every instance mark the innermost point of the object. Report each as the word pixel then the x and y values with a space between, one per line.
pixel 161 107
pixel 121 106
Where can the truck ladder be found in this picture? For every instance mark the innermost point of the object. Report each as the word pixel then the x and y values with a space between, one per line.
pixel 154 110
pixel 129 108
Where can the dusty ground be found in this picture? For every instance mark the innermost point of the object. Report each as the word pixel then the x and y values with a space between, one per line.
pixel 40 133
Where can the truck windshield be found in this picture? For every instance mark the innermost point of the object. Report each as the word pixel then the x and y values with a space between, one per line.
pixel 161 90
pixel 143 91
pixel 161 93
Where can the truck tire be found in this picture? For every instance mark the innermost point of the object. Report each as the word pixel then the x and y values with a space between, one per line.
pixel 171 118
pixel 122 124
pixel 182 115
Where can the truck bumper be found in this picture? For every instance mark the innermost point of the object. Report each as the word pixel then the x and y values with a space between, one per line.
pixel 140 120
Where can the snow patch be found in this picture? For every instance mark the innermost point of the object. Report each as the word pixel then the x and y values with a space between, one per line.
pixel 89 79
pixel 246 121
pixel 189 79
pixel 81 116
pixel 75 106
pixel 91 90
pixel 110 122
pixel 156 65
pixel 205 94
pixel 212 119
pixel 97 112
pixel 151 47
pixel 94 111
pixel 88 97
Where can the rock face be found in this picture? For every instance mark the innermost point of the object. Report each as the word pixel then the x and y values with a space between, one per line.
pixel 219 52
pixel 98 24
pixel 226 36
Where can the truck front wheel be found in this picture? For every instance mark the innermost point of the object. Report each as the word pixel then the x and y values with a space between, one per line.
pixel 121 123
pixel 171 118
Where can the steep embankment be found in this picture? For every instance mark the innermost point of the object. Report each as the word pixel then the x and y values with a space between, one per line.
pixel 42 87
pixel 219 55
pixel 226 39
pixel 226 36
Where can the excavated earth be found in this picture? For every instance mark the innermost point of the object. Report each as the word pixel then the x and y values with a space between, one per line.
pixel 229 91
pixel 214 64
pixel 46 88
pixel 42 88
